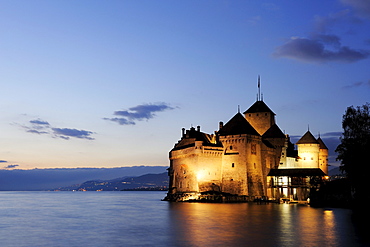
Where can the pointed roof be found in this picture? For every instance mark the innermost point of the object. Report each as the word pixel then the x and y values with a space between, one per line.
pixel 259 106
pixel 237 125
pixel 322 144
pixel 273 132
pixel 307 138
pixel 268 144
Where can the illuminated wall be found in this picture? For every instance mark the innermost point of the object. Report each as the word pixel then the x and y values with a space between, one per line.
pixel 261 121
pixel 234 168
pixel 323 160
pixel 308 155
pixel 196 169
pixel 237 168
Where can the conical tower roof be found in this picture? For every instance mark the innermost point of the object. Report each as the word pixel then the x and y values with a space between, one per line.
pixel 273 132
pixel 237 125
pixel 307 138
pixel 259 106
pixel 322 144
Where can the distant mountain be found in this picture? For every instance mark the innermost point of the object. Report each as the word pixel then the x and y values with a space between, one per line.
pixel 46 179
pixel 144 182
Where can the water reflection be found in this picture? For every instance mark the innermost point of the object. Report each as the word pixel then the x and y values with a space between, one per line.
pixel 248 224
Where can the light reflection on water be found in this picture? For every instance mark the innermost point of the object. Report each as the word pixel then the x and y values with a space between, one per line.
pixel 140 219
pixel 248 224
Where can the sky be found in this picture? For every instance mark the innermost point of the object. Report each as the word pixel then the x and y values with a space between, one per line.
pixel 111 83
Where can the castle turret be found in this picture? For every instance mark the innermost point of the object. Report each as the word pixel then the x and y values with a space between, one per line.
pixel 260 116
pixel 242 170
pixel 323 156
pixel 308 151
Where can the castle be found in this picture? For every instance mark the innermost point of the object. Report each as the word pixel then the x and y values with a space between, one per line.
pixel 248 158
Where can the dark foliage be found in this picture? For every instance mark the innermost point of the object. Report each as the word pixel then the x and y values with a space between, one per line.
pixel 354 148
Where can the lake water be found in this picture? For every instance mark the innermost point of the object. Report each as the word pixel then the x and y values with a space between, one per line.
pixel 142 219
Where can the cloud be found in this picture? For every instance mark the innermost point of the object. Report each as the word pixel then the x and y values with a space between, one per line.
pixel 41 127
pixel 121 121
pixel 39 122
pixel 361 7
pixel 357 84
pixel 323 49
pixel 10 166
pixel 321 45
pixel 139 113
pixel 3 161
pixel 329 39
pixel 34 131
pixel 331 134
pixel 37 126
pixel 66 133
pixel 345 19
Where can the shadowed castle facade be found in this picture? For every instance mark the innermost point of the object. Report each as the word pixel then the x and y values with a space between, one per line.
pixel 248 158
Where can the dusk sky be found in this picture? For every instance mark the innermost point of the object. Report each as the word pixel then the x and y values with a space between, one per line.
pixel 111 83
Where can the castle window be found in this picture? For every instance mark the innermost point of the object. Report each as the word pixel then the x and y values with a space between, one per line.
pixel 231 179
pixel 253 149
pixel 254 164
pixel 232 165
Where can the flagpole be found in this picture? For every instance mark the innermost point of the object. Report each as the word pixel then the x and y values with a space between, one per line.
pixel 259 88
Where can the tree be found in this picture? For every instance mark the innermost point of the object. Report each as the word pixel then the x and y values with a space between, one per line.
pixel 354 149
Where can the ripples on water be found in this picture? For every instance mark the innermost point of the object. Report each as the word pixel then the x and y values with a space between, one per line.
pixel 141 219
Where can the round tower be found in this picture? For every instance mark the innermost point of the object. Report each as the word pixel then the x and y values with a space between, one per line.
pixel 323 156
pixel 308 151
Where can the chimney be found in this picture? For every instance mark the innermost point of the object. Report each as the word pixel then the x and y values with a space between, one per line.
pixel 183 132
pixel 198 128
pixel 221 125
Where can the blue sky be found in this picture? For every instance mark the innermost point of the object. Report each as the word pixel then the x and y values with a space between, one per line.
pixel 111 83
